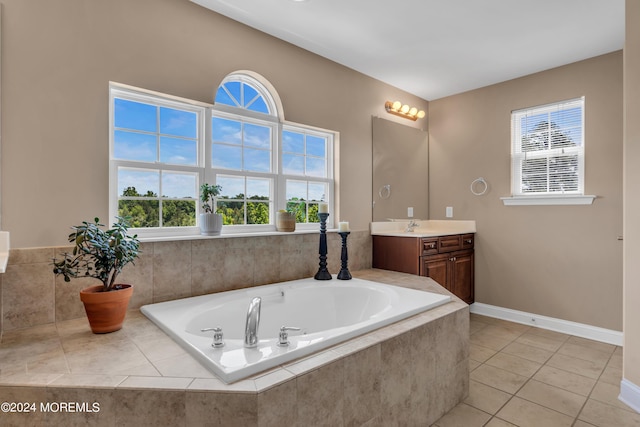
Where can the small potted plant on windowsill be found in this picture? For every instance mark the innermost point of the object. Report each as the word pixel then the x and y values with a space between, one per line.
pixel 210 221
pixel 101 254
pixel 286 218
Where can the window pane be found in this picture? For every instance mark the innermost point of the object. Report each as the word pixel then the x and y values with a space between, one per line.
pixel 179 185
pixel 234 89
pixel 223 130
pixel 257 160
pixel 316 167
pixel 250 94
pixel 178 151
pixel 257 136
pixel 292 142
pixel 260 106
pixel 292 164
pixel 134 146
pixel 316 146
pixel 135 115
pixel 222 97
pixel 317 191
pixel 138 183
pixel 257 212
pixel 296 190
pixel 534 176
pixel 178 122
pixel 258 189
pixel 232 187
pixel 226 157
pixel 232 212
pixel 179 213
pixel 143 213
pixel 563 173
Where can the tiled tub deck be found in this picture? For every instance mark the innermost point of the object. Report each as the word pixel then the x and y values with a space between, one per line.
pixel 408 373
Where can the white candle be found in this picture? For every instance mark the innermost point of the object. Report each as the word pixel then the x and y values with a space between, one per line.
pixel 323 208
pixel 343 227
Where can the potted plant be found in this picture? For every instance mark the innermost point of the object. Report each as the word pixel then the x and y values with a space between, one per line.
pixel 286 218
pixel 101 254
pixel 210 222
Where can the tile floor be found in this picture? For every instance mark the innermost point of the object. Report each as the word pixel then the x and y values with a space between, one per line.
pixel 525 376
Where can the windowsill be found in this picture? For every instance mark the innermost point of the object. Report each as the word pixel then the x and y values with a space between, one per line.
pixel 547 200
pixel 228 235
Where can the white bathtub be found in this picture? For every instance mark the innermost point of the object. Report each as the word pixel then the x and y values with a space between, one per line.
pixel 328 312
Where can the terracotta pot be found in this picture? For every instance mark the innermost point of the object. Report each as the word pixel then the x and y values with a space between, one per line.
pixel 285 221
pixel 106 310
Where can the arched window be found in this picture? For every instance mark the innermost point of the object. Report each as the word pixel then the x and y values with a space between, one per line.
pixel 163 148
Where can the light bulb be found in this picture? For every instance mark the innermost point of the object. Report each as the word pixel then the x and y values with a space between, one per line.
pixel 396 105
pixel 421 114
pixel 413 111
pixel 405 108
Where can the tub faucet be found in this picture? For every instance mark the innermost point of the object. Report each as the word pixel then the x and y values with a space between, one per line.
pixel 253 322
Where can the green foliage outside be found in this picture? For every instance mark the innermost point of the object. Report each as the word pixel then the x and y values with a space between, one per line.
pixel 182 213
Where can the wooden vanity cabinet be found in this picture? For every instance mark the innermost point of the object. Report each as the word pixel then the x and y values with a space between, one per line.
pixel 452 266
pixel 446 259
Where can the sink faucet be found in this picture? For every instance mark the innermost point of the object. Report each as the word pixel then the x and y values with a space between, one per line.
pixel 412 224
pixel 253 322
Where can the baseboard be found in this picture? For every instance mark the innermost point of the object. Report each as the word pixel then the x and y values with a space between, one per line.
pixel 565 326
pixel 630 394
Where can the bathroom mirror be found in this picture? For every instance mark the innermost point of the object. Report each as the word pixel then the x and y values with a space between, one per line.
pixel 400 171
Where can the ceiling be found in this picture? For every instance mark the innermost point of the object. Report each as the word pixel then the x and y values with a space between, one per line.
pixel 436 48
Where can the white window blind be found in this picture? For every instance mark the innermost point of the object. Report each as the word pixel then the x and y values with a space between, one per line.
pixel 547 149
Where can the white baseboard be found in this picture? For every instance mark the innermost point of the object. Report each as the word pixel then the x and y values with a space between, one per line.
pixel 630 394
pixel 565 326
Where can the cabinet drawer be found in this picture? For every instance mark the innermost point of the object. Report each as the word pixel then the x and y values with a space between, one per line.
pixel 430 246
pixel 449 243
pixel 467 241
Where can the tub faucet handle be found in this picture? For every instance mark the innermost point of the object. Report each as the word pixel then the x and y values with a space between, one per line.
pixel 283 337
pixel 218 336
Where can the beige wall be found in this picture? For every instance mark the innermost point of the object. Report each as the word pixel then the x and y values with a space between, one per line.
pixel 57 60
pixel 558 261
pixel 631 368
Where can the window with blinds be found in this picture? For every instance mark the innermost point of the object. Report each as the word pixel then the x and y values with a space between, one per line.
pixel 547 149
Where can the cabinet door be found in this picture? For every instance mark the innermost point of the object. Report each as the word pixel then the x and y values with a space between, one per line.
pixel 437 269
pixel 462 277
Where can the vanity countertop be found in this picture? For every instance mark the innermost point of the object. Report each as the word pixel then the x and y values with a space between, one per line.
pixel 425 228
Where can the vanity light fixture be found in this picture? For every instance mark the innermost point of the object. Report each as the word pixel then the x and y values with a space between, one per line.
pixel 397 108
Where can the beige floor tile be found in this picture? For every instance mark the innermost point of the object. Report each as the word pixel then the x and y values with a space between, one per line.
pixel 463 416
pixel 509 331
pixel 498 378
pixel 596 345
pixel 558 336
pixel 608 393
pixel 565 380
pixel 586 368
pixel 514 364
pixel 611 375
pixel 539 341
pixel 602 415
pixel 552 397
pixel 479 353
pixel 489 340
pixel 586 353
pixel 473 364
pixel 528 414
pixel 580 423
pixel 497 422
pixel 485 398
pixel 528 352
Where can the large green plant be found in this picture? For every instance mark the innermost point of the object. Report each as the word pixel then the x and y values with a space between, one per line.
pixel 98 253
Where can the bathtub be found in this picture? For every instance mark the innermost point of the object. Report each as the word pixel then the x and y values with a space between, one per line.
pixel 327 313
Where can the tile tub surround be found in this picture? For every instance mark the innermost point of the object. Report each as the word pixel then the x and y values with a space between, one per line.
pixel 408 373
pixel 31 295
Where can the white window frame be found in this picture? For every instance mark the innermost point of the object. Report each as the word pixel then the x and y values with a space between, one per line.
pixel 518 197
pixel 204 170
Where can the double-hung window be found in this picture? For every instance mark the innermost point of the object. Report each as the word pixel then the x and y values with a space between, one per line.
pixel 163 148
pixel 547 154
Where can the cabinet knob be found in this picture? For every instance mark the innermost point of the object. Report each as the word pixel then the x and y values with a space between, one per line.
pixel 468 241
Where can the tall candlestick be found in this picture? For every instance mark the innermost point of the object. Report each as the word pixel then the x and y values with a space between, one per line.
pixel 344 273
pixel 323 273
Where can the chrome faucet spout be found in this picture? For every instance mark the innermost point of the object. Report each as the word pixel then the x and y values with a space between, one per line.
pixel 253 322
pixel 412 224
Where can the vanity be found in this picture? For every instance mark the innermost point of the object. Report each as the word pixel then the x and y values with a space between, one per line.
pixel 441 250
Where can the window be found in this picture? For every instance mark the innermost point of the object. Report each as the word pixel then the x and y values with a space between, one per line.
pixel 547 154
pixel 163 148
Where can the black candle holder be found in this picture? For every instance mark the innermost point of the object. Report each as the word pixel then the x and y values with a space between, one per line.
pixel 344 257
pixel 323 273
